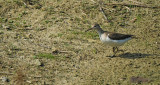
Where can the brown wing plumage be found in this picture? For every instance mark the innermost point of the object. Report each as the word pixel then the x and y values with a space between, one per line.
pixel 118 36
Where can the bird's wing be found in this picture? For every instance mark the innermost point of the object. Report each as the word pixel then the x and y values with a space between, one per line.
pixel 118 36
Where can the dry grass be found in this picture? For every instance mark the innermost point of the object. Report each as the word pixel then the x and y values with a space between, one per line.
pixel 20 77
pixel 56 28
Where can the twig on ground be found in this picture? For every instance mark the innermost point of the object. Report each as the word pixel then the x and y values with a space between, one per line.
pixel 6 73
pixel 128 9
pixel 24 3
pixel 136 5
pixel 135 2
pixel 102 10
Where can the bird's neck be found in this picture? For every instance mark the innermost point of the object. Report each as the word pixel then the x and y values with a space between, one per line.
pixel 100 31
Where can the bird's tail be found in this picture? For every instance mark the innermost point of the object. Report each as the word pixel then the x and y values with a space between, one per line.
pixel 135 37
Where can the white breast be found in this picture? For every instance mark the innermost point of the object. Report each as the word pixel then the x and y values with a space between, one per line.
pixel 105 39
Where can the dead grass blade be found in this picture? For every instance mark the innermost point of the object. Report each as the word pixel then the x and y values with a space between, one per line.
pixel 132 5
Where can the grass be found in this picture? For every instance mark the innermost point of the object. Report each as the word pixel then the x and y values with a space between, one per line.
pixel 37 28
pixel 45 55
pixel 20 77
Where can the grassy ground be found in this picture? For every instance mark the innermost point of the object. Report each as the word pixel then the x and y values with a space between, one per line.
pixel 43 42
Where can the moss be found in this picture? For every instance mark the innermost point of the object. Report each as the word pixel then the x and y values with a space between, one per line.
pixel 45 55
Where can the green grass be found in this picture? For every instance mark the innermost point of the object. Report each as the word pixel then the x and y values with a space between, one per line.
pixel 45 55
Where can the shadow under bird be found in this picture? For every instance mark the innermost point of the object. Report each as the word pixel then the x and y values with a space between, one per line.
pixel 112 39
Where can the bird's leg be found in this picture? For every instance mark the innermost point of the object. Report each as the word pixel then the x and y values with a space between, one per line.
pixel 116 49
pixel 119 50
pixel 114 52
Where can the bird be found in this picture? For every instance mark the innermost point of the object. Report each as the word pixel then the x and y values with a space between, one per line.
pixel 111 38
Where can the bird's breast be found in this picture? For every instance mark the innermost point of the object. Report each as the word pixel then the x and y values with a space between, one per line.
pixel 103 37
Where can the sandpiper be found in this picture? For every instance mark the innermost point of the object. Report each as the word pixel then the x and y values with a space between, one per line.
pixel 112 39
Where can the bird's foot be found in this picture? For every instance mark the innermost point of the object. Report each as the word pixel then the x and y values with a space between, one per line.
pixel 113 56
pixel 121 50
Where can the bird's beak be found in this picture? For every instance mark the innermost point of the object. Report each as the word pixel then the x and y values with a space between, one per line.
pixel 89 29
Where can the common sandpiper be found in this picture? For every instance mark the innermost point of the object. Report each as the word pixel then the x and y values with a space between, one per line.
pixel 112 39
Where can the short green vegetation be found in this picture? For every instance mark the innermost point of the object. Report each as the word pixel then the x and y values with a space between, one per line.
pixel 44 55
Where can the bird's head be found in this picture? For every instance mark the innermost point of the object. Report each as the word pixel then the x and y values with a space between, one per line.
pixel 96 27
